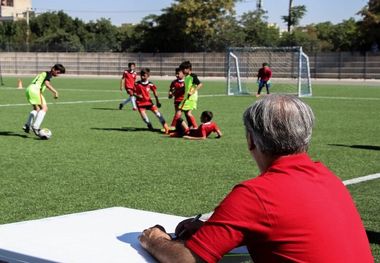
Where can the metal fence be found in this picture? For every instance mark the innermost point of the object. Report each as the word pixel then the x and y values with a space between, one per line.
pixel 335 65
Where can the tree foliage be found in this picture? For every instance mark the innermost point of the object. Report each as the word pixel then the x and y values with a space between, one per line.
pixel 295 14
pixel 191 25
pixel 369 26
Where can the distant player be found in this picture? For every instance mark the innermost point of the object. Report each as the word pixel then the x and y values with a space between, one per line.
pixel 189 103
pixel 144 102
pixel 202 132
pixel 129 79
pixel 177 90
pixel 263 78
pixel 34 95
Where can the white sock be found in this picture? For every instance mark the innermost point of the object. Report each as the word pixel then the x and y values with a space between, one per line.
pixel 40 117
pixel 146 119
pixel 133 99
pixel 31 117
pixel 126 101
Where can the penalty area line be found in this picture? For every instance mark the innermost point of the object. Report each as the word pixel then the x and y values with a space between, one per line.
pixel 362 179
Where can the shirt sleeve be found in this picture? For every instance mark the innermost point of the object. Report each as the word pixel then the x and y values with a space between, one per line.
pixel 239 215
pixel 196 80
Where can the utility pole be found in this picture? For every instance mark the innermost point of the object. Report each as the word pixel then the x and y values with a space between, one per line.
pixel 27 29
pixel 259 4
pixel 290 14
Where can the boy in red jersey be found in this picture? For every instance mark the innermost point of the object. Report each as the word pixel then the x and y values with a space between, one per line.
pixel 202 132
pixel 129 79
pixel 263 78
pixel 177 90
pixel 144 102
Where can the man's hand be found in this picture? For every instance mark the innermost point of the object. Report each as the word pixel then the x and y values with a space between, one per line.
pixel 149 235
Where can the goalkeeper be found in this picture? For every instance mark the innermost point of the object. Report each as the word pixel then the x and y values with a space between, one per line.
pixel 263 78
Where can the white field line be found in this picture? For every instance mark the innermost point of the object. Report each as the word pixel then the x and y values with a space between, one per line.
pixel 346 182
pixel 341 98
pixel 362 179
pixel 94 101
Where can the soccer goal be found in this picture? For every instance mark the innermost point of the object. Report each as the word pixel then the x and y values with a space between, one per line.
pixel 289 65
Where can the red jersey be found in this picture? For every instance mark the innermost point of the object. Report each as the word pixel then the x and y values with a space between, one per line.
pixel 204 130
pixel 296 211
pixel 129 79
pixel 177 87
pixel 264 74
pixel 143 89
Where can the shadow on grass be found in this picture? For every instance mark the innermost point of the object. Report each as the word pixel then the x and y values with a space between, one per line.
pixel 105 109
pixel 373 237
pixel 8 133
pixel 364 147
pixel 128 129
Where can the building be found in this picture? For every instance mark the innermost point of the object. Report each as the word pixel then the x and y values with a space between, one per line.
pixel 15 9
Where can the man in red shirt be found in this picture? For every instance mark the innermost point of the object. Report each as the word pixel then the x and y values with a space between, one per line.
pixel 129 79
pixel 296 210
pixel 177 90
pixel 144 102
pixel 263 78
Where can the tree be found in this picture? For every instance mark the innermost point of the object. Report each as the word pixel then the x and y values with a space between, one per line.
pixel 187 25
pixel 295 14
pixel 370 25
pixel 257 31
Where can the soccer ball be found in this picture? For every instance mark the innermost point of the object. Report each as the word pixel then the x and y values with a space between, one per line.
pixel 45 134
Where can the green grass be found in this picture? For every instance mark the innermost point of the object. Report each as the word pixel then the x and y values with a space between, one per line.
pixel 101 157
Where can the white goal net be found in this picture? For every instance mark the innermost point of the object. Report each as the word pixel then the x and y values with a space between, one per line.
pixel 289 65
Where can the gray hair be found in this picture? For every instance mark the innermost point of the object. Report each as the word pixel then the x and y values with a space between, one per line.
pixel 279 124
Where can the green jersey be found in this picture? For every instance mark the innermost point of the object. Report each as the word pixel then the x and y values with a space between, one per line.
pixel 190 102
pixel 40 79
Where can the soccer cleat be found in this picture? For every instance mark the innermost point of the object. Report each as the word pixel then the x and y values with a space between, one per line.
pixel 150 127
pixel 36 131
pixel 121 106
pixel 257 95
pixel 135 109
pixel 26 128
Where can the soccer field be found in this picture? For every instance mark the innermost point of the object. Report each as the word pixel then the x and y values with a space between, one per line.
pixel 101 157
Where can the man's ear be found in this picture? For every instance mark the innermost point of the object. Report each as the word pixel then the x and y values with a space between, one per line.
pixel 251 144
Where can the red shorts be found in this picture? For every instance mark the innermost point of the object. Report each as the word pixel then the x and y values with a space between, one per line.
pixel 151 107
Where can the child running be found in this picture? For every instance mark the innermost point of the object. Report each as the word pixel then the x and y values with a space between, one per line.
pixel 202 132
pixel 34 95
pixel 129 79
pixel 144 102
pixel 177 90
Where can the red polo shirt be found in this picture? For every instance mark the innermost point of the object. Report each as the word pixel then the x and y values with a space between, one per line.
pixel 296 211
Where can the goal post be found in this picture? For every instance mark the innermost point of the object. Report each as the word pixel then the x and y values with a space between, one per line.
pixel 290 70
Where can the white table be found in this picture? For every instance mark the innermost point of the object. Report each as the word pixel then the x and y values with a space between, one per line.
pixel 106 235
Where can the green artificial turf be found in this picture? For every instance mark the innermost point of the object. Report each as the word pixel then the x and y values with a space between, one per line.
pixel 101 157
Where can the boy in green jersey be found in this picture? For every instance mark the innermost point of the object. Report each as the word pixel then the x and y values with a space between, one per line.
pixel 34 95
pixel 189 103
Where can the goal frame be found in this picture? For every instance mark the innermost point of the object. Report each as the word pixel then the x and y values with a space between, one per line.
pixel 303 80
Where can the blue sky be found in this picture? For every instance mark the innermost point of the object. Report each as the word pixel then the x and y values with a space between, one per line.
pixel 132 11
